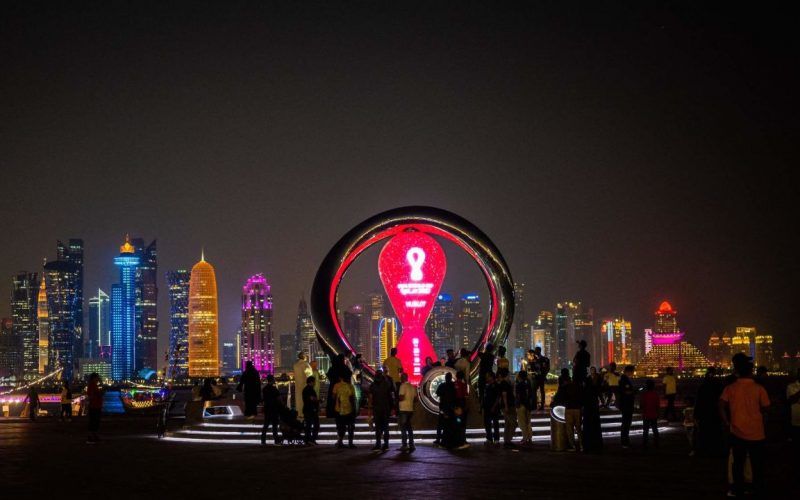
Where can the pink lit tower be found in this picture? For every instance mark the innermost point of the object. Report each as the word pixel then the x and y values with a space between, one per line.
pixel 257 344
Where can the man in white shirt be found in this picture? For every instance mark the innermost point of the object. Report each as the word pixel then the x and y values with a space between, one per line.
pixel 302 370
pixel 407 396
pixel 463 365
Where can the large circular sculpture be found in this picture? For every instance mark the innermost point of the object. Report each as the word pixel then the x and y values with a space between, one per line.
pixel 412 268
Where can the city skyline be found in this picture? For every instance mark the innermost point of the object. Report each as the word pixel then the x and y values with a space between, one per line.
pixel 634 155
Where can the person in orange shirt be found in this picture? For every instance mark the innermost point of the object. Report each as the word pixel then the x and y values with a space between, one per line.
pixel 741 407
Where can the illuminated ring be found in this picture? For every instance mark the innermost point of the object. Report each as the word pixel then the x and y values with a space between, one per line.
pixel 430 220
pixel 430 382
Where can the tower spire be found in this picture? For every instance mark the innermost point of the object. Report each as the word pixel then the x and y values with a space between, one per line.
pixel 202 254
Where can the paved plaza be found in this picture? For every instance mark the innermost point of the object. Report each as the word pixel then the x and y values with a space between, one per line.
pixel 52 458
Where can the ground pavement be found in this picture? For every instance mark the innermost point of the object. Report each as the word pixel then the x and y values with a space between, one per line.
pixel 52 458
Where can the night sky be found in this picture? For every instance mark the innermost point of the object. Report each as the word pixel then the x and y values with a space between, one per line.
pixel 617 154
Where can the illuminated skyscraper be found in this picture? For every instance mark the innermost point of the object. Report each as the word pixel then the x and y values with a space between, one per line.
pixel 669 348
pixel 388 337
pixel 666 321
pixel 257 343
pixel 123 314
pixel 178 284
pixel 565 333
pixel 146 301
pixel 521 330
pixel 203 327
pixel 619 341
pixel 744 341
pixel 231 357
pixel 375 311
pixel 24 322
pixel 99 333
pixel 764 352
pixel 62 298
pixel 72 253
pixel 306 337
pixel 441 327
pixel 10 350
pixel 43 323
pixel 545 323
pixel 471 316
pixel 583 324
pixel 355 327
pixel 287 350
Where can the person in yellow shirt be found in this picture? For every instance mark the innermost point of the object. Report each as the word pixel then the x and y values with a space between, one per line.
pixel 392 367
pixel 670 391
pixel 345 406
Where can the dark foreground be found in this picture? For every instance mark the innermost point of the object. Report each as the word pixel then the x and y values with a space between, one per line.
pixel 52 459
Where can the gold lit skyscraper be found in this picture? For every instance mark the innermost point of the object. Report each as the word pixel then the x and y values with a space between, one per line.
pixel 203 321
pixel 44 328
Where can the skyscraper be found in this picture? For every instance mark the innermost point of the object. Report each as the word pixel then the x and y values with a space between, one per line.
pixel 306 338
pixel 203 321
pixel 441 327
pixel 744 341
pixel 257 343
pixel 388 337
pixel 230 358
pixel 61 283
pixel 178 355
pixel 619 341
pixel 565 334
pixel 375 310
pixel 99 333
pixel 123 314
pixel 583 323
pixel 146 301
pixel 43 329
pixel 669 349
pixel 287 350
pixel 354 327
pixel 72 253
pixel 545 323
pixel 471 316
pixel 10 350
pixel 764 352
pixel 666 319
pixel 521 328
pixel 24 321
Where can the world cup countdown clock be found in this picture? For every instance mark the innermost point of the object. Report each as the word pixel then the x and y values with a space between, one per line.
pixel 412 266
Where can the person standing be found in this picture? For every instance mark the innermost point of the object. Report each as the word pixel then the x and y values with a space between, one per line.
pixel 670 391
pixel 580 364
pixel 302 370
pixel 311 411
pixel 611 384
pixel 625 397
pixel 502 360
pixel 741 408
pixel 650 405
pixel 451 359
pixel 315 373
pixel 525 402
pixel 486 365
pixel 462 364
pixel 569 395
pixel 592 430
pixel 542 368
pixel 344 396
pixel 381 397
pixel 272 410
pixel 250 382
pixel 445 430
pixel 491 410
pixel 793 400
pixel 393 367
pixel 66 402
pixel 33 403
pixel 508 404
pixel 706 415
pixel 407 395
pixel 95 396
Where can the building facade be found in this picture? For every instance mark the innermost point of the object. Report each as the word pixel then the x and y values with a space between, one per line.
pixel 520 338
pixel 24 293
pixel 305 336
pixel 43 329
pixel 146 304
pixel 10 350
pixel 178 354
pixel 257 344
pixel 123 314
pixel 62 304
pixel 98 335
pixel 204 358
pixel 470 316
pixel 72 253
pixel 441 327
pixel 388 337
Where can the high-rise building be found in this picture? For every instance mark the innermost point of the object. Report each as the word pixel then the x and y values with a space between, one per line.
pixel 355 328
pixel 669 349
pixel 441 327
pixel 545 323
pixel 619 341
pixel 521 330
pixel 99 334
pixel 203 322
pixel 24 322
pixel 43 329
pixel 719 349
pixel 375 310
pixel 565 333
pixel 123 314
pixel 538 337
pixel 583 324
pixel 178 355
pixel 471 317
pixel 288 353
pixel 744 340
pixel 230 358
pixel 72 253
pixel 305 335
pixel 764 352
pixel 61 281
pixel 10 350
pixel 146 301
pixel 257 343
pixel 648 340
pixel 388 337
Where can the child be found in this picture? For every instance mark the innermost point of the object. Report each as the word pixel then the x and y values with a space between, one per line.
pixel 689 423
pixel 650 404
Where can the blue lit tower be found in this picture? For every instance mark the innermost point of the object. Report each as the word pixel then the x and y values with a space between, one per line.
pixel 123 314
pixel 61 298
pixel 178 288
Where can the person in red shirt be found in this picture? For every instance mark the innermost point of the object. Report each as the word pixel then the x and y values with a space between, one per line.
pixel 95 395
pixel 650 405
pixel 462 393
pixel 741 408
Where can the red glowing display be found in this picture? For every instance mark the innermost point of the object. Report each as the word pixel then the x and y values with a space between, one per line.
pixel 412 266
